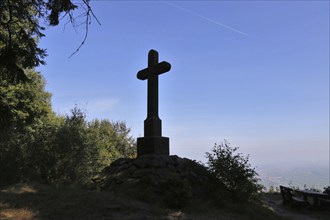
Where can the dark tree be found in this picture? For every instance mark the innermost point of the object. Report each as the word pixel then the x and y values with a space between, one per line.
pixel 21 25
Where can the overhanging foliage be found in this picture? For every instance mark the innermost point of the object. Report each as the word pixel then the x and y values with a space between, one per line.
pixel 22 23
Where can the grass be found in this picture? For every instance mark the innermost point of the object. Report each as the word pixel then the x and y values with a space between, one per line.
pixel 45 202
pixel 35 201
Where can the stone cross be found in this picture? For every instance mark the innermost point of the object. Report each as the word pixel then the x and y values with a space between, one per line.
pixel 153 142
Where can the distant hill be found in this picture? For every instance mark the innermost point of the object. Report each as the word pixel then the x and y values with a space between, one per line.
pixel 311 176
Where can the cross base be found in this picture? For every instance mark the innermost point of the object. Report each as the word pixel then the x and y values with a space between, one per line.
pixel 153 145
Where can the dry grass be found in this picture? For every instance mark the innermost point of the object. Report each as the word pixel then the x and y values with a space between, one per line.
pixel 34 201
pixel 18 214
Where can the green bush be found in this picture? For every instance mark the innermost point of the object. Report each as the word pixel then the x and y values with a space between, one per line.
pixel 75 156
pixel 71 150
pixel 234 171
pixel 113 140
pixel 63 149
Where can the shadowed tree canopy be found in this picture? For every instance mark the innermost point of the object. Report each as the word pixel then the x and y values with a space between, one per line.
pixel 21 25
pixel 23 104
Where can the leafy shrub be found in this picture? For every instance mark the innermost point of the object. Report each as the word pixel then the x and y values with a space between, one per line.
pixel 63 149
pixel 113 140
pixel 71 150
pixel 75 155
pixel 327 190
pixel 234 171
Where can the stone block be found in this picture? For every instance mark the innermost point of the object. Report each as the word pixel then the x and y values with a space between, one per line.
pixel 163 173
pixel 124 166
pixel 132 169
pixel 148 156
pixel 122 175
pixel 157 163
pixel 120 162
pixel 142 172
pixel 168 159
pixel 153 145
pixel 141 163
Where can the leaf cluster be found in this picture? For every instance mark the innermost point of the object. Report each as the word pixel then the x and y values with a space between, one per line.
pixel 23 104
pixel 113 140
pixel 234 171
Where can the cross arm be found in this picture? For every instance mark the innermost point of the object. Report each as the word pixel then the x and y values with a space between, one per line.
pixel 158 69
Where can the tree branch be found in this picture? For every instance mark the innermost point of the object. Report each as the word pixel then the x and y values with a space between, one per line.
pixel 89 12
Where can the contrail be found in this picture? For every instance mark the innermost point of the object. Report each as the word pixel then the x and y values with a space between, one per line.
pixel 205 18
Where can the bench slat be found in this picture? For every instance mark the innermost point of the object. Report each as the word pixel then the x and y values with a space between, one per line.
pixel 290 199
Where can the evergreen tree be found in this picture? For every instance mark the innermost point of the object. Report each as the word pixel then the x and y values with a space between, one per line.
pixel 20 31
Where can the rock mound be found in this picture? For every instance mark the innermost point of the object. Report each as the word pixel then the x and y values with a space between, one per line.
pixel 157 178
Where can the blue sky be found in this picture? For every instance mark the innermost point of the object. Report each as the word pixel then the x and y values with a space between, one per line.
pixel 255 73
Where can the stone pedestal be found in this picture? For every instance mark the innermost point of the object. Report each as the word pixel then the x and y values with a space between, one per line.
pixel 153 145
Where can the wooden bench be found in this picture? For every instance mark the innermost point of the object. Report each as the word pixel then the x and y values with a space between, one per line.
pixel 290 199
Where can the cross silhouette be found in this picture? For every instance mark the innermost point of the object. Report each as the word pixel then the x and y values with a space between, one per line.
pixel 153 142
